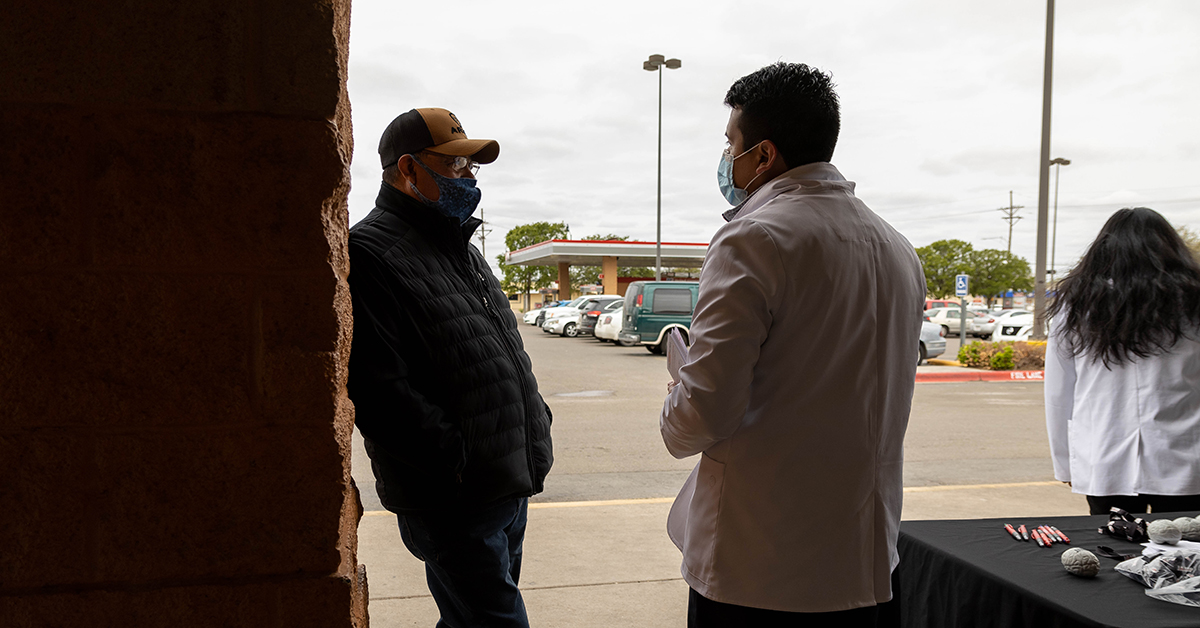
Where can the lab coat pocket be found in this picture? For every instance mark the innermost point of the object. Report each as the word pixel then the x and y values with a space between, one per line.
pixel 703 516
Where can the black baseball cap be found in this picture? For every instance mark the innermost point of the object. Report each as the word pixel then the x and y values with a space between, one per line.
pixel 432 129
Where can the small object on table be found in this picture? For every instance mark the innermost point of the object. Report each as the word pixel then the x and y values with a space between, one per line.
pixel 1189 527
pixel 1047 534
pixel 1024 532
pixel 1065 538
pixel 1037 536
pixel 1008 528
pixel 1080 562
pixel 1164 531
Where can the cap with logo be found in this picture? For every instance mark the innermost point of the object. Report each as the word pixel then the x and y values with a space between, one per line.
pixel 432 129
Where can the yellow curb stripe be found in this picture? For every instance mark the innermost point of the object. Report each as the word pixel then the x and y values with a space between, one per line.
pixel 969 487
pixel 603 502
pixel 667 500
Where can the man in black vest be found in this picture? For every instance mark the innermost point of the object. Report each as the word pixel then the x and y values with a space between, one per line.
pixel 444 395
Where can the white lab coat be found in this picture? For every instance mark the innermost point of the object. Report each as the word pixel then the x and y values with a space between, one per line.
pixel 1128 429
pixel 796 394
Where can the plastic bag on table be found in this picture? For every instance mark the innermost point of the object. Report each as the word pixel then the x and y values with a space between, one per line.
pixel 1170 577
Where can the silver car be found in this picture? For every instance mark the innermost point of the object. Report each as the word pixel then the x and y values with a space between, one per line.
pixel 932 342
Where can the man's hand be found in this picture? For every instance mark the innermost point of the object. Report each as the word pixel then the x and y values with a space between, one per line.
pixel 671 385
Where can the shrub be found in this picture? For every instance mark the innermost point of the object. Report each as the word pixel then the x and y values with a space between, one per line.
pixel 1002 360
pixel 973 354
pixel 1029 356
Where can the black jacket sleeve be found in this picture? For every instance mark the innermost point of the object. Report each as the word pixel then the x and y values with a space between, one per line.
pixel 389 411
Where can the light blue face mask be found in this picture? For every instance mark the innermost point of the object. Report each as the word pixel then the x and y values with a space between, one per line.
pixel 732 193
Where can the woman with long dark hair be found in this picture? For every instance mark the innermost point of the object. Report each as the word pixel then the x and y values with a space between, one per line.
pixel 1123 369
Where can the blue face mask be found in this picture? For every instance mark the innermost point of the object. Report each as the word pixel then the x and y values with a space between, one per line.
pixel 457 198
pixel 732 193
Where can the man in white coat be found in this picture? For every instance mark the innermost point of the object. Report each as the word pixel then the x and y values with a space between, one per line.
pixel 799 380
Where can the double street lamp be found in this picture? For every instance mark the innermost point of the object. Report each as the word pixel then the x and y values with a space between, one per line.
pixel 655 64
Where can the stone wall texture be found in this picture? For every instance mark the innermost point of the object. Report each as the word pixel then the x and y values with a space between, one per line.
pixel 174 317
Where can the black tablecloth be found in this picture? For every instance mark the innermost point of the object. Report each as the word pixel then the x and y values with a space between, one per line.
pixel 973 574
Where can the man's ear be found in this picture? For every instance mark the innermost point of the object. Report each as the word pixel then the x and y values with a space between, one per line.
pixel 768 157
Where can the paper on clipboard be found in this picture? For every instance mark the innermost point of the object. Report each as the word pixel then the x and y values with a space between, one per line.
pixel 677 353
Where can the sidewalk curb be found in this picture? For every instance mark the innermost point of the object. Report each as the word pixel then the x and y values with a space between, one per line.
pixel 972 375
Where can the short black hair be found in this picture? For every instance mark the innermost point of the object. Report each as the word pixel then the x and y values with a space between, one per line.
pixel 791 104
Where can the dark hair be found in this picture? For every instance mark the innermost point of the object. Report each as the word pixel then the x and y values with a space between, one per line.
pixel 792 105
pixel 1136 291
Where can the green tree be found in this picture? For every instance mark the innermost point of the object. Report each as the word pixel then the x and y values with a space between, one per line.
pixel 1192 239
pixel 522 279
pixel 994 271
pixel 942 260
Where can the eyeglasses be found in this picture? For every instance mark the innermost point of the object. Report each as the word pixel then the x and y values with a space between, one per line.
pixel 457 163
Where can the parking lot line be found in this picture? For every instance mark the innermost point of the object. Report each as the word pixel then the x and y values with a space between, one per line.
pixel 667 500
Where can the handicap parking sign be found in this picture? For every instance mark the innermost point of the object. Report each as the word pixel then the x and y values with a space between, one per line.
pixel 960 285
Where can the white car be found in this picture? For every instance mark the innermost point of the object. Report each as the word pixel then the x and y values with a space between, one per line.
pixel 545 312
pixel 1017 326
pixel 531 316
pixel 609 325
pixel 949 319
pixel 565 320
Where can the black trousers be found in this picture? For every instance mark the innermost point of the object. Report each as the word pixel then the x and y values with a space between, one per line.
pixel 1100 504
pixel 705 613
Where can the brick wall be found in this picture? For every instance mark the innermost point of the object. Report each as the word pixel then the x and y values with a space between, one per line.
pixel 174 317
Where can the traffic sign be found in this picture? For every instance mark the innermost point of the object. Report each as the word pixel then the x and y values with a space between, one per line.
pixel 960 285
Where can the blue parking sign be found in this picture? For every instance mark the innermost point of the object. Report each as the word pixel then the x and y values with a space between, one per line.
pixel 960 285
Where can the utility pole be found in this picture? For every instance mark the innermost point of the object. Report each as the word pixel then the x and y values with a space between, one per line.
pixel 1010 216
pixel 483 231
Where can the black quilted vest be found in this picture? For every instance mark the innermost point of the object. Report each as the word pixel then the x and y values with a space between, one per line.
pixel 443 390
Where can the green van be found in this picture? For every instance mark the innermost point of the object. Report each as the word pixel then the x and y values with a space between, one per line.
pixel 652 308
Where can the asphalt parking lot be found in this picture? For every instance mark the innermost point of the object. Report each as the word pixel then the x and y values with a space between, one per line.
pixel 596 552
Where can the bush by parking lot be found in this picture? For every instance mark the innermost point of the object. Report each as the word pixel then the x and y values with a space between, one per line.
pixel 1004 355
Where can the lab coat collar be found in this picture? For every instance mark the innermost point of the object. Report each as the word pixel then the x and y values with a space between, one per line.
pixel 790 180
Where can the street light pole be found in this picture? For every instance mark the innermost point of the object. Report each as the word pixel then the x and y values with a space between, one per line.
pixel 1039 273
pixel 655 64
pixel 1056 162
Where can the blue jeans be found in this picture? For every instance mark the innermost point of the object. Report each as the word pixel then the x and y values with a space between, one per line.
pixel 472 562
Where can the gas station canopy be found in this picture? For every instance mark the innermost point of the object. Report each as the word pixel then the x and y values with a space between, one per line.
pixel 593 252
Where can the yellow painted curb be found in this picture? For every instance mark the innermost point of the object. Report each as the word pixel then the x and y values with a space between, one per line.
pixel 937 362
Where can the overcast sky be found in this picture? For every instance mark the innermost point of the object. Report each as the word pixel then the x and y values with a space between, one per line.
pixel 941 107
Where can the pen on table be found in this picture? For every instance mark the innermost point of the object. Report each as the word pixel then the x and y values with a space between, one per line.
pixel 1046 534
pixel 1008 528
pixel 1037 536
pixel 1064 537
pixel 1024 532
pixel 1053 535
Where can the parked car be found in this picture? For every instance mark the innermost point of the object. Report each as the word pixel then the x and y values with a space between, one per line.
pixel 608 326
pixel 932 343
pixel 546 311
pixel 950 319
pixel 936 303
pixel 565 320
pixel 531 316
pixel 653 307
pixel 985 324
pixel 1018 326
pixel 587 322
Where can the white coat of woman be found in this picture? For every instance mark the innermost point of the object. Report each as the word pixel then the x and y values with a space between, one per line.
pixel 1123 370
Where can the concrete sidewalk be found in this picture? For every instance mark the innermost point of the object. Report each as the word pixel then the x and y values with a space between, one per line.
pixel 610 563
